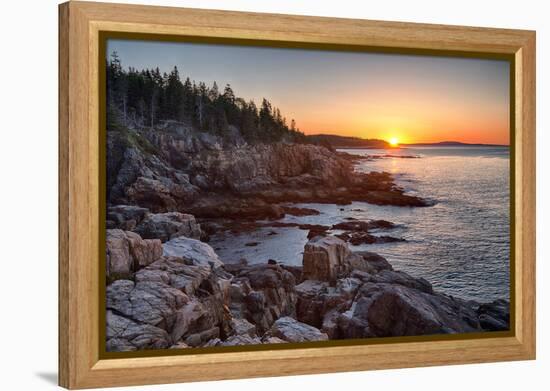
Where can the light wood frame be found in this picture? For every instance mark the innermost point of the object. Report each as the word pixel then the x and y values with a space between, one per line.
pixel 80 23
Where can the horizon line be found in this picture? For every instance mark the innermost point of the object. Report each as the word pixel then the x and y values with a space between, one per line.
pixel 408 143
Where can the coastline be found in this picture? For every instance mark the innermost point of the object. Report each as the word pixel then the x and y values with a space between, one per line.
pixel 181 296
pixel 168 288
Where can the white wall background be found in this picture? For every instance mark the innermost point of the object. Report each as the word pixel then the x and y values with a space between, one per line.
pixel 28 195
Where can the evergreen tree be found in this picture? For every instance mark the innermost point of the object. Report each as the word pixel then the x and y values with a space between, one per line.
pixel 174 96
pixel 214 94
pixel 266 121
pixel 188 109
pixel 148 97
pixel 229 95
pixel 201 99
pixel 117 85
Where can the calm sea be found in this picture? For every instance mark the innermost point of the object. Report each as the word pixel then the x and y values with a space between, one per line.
pixel 461 244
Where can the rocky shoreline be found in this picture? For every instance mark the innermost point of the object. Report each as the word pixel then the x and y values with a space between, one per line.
pixel 179 294
pixel 212 177
pixel 172 187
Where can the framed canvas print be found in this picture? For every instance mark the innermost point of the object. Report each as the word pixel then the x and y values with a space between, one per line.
pixel 247 195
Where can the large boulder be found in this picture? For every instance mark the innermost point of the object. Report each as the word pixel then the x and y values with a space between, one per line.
pixel 387 310
pixel 127 252
pixel 290 330
pixel 124 334
pixel 325 259
pixel 166 226
pixel 192 250
pixel 146 302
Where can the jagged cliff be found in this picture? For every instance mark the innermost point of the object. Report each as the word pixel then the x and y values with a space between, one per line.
pixel 177 168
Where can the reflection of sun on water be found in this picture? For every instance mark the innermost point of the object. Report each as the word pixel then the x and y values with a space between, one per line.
pixel 394 167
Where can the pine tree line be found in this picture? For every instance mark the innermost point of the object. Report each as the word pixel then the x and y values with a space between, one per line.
pixel 147 98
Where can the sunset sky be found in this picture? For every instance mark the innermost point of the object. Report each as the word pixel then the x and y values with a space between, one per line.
pixel 409 98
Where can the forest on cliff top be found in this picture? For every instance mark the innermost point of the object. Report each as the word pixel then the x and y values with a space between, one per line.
pixel 147 98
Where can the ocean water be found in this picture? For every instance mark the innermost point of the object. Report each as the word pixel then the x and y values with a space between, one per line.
pixel 461 244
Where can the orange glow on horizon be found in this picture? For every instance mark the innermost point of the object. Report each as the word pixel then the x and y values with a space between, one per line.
pixel 420 115
pixel 421 127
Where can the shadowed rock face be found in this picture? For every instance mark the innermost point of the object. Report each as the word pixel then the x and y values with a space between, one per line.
pixel 143 177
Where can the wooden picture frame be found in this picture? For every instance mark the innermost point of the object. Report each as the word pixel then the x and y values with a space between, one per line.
pixel 80 26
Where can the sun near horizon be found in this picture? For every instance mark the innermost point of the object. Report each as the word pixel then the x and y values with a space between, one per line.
pixel 394 141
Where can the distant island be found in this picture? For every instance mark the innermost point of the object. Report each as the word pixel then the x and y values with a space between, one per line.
pixel 452 144
pixel 335 141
